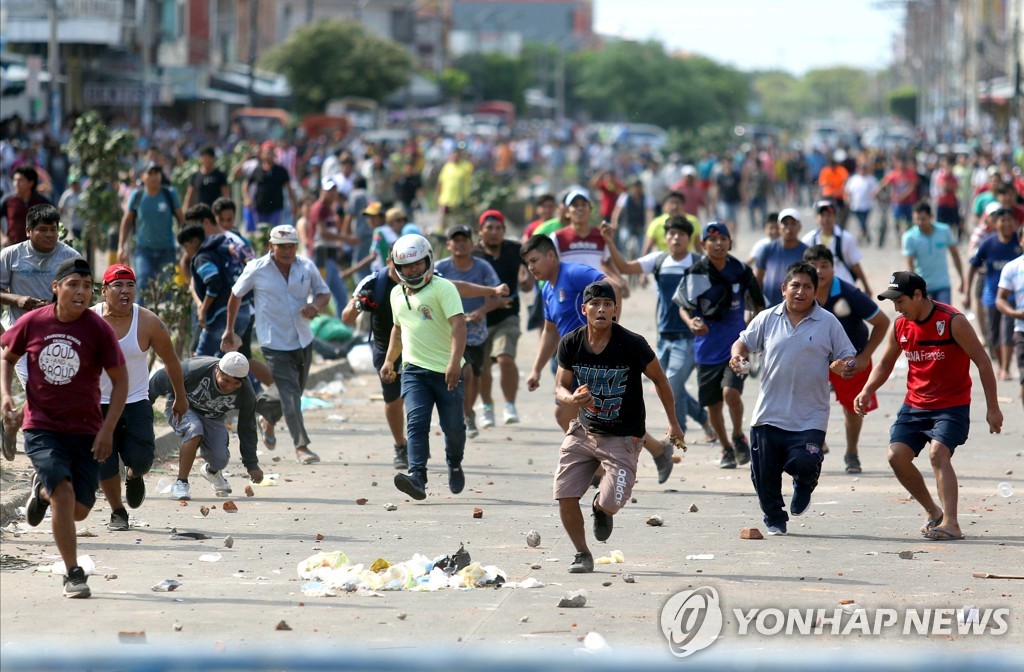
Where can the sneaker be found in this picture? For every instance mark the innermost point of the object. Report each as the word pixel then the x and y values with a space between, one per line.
pixel 118 520
pixel 401 461
pixel 602 522
pixel 487 416
pixel 728 460
pixel 583 563
pixel 511 414
pixel 800 501
pixel 75 584
pixel 664 462
pixel 35 508
pixel 134 491
pixel 180 490
pixel 217 480
pixel 777 530
pixel 852 464
pixel 471 430
pixel 456 479
pixel 411 485
pixel 741 448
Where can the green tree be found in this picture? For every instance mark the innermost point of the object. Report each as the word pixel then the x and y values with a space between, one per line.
pixel 454 83
pixel 332 59
pixel 903 103
pixel 640 82
pixel 101 157
pixel 497 77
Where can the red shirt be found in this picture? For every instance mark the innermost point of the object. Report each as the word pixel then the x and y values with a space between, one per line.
pixel 694 195
pixel 939 373
pixel 589 250
pixel 15 210
pixel 904 186
pixel 610 191
pixel 947 184
pixel 65 360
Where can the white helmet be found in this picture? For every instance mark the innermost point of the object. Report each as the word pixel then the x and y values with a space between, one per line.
pixel 409 249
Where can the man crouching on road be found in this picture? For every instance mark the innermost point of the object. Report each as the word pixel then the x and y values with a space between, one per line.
pixel 606 360
pixel 214 387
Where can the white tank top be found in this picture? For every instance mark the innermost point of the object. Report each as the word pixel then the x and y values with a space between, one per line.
pixel 134 357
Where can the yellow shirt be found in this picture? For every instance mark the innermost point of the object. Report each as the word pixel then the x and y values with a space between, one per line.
pixel 453 183
pixel 656 231
pixel 424 320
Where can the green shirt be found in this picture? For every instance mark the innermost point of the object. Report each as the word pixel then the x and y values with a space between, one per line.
pixel 549 227
pixel 424 320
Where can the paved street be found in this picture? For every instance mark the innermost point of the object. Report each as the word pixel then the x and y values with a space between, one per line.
pixel 847 547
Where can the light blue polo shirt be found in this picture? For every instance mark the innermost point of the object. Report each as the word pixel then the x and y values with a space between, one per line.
pixel 794 366
pixel 929 253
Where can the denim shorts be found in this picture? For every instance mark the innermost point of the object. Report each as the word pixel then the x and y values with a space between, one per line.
pixel 134 440
pixel 915 427
pixel 57 456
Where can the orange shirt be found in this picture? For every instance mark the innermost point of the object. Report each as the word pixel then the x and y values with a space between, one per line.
pixel 832 181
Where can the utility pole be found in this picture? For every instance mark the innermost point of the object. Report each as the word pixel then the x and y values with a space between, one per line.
pixel 53 59
pixel 254 33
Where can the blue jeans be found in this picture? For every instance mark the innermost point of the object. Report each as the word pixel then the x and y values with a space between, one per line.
pixel 677 358
pixel 422 390
pixel 335 283
pixel 149 265
pixel 211 335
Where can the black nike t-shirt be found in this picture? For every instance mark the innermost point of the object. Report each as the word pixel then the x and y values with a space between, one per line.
pixel 614 378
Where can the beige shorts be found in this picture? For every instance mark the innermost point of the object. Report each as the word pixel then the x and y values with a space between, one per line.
pixel 579 456
pixel 502 339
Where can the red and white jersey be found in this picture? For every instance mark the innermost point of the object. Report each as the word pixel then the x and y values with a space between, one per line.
pixel 939 369
pixel 589 250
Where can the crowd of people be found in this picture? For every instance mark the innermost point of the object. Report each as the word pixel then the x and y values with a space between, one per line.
pixel 342 230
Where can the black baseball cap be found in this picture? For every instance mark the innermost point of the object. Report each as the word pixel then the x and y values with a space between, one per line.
pixel 70 267
pixel 601 289
pixel 903 283
pixel 460 230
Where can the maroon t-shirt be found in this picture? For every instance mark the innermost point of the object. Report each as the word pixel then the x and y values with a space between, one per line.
pixel 65 360
pixel 15 211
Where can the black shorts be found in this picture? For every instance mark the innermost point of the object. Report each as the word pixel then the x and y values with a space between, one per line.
pixel 57 456
pixel 134 441
pixel 711 378
pixel 392 390
pixel 474 356
pixel 915 427
pixel 1000 327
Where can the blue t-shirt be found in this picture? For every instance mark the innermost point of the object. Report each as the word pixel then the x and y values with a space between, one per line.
pixel 858 308
pixel 482 273
pixel 668 277
pixel 929 253
pixel 563 299
pixel 774 259
pixel 715 346
pixel 993 254
pixel 154 217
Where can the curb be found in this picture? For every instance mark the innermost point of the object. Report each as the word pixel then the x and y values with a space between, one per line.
pixel 167 442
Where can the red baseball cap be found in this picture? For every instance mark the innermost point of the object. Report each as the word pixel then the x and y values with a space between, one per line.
pixel 118 272
pixel 492 214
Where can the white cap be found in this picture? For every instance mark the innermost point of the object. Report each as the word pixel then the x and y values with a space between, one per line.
pixel 992 208
pixel 790 212
pixel 234 364
pixel 689 169
pixel 576 193
pixel 284 234
pixel 328 183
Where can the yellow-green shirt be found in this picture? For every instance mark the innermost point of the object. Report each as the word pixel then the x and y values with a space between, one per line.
pixel 454 183
pixel 656 231
pixel 424 320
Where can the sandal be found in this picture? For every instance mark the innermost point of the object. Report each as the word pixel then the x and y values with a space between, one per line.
pixel 267 433
pixel 306 456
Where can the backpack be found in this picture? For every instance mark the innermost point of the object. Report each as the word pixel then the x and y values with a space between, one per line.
pixel 164 191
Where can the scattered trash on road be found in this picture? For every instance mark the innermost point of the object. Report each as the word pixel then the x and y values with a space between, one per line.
pixel 573 600
pixel 616 557
pixel 533 538
pixel 166 586
pixel 751 533
pixel 655 521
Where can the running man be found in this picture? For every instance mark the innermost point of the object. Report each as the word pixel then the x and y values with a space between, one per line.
pixel 66 434
pixel 138 330
pixel 606 360
pixel 801 344
pixel 939 344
